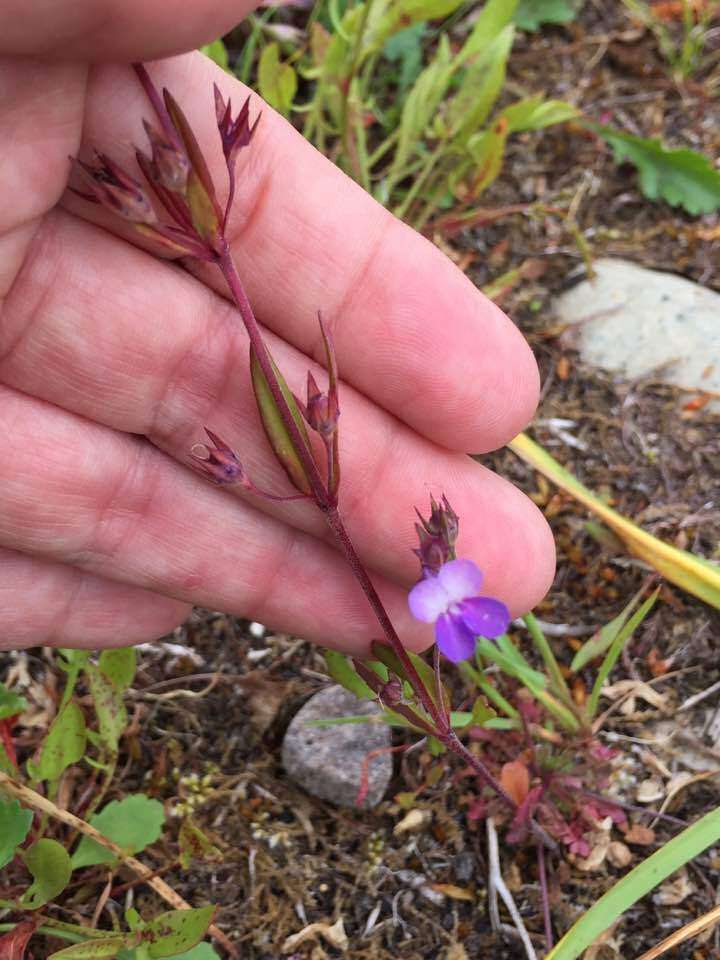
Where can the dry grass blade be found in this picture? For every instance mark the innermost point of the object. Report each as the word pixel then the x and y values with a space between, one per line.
pixel 163 890
pixel 691 929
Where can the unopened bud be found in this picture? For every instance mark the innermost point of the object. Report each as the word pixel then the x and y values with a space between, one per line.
pixel 437 536
pixel 219 463
pixel 116 190
pixel 390 694
pixel 169 165
pixel 322 409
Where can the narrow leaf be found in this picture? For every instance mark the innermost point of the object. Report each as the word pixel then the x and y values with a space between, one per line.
pixel 64 744
pixel 275 429
pixel 634 885
pixel 109 707
pixel 49 865
pixel 107 947
pixel 14 827
pixel 277 81
pixel 342 672
pixel 536 113
pixel 216 51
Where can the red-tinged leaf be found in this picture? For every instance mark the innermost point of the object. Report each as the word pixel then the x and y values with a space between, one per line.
pixel 515 780
pixel 275 429
pixel 13 944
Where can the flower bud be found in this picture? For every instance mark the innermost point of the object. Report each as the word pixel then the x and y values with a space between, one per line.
pixel 169 165
pixel 219 463
pixel 116 190
pixel 437 536
pixel 322 408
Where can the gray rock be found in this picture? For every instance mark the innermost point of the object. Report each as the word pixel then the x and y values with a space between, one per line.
pixel 327 761
pixel 637 321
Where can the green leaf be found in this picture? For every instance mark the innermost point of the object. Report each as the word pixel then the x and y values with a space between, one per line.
pixel 426 673
pixel 177 930
pixel 481 85
pixel 49 865
pixel 534 113
pixel 634 885
pixel 132 823
pixel 406 49
pixel 681 177
pixel 420 106
pixel 277 81
pixel 342 671
pixel 216 51
pixel 109 707
pixel 64 744
pixel 616 649
pixel 275 429
pixel 494 17
pixel 14 827
pixel 487 150
pixel 530 14
pixel 203 951
pixel 119 666
pixel 195 845
pixel 107 947
pixel 10 703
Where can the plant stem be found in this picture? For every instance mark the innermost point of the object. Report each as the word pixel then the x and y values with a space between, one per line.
pixel 542 875
pixel 325 503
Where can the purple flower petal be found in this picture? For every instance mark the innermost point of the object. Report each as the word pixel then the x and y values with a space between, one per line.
pixel 460 579
pixel 484 616
pixel 427 600
pixel 453 638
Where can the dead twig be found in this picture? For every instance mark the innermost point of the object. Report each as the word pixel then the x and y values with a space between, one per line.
pixel 496 885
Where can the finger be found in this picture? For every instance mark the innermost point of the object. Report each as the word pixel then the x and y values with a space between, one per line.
pixel 410 330
pixel 50 604
pixel 116 507
pixel 165 357
pixel 114 29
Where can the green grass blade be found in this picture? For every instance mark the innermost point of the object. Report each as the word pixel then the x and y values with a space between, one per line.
pixel 641 880
pixel 616 649
pixel 558 683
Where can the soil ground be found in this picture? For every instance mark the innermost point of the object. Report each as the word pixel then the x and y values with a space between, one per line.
pixel 289 860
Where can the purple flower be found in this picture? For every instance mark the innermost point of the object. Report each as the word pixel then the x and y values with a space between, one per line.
pixel 449 600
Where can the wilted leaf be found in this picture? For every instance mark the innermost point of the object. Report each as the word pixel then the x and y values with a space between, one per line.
pixel 531 14
pixel 49 865
pixel 64 744
pixel 195 845
pixel 342 671
pixel 133 824
pixel 277 81
pixel 119 666
pixel 176 930
pixel 14 828
pixel 681 177
pixel 515 780
pixel 107 947
pixel 10 703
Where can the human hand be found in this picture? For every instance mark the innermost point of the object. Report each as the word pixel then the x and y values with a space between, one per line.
pixel 112 361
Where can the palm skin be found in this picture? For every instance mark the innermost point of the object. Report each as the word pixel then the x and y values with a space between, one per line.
pixel 112 361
